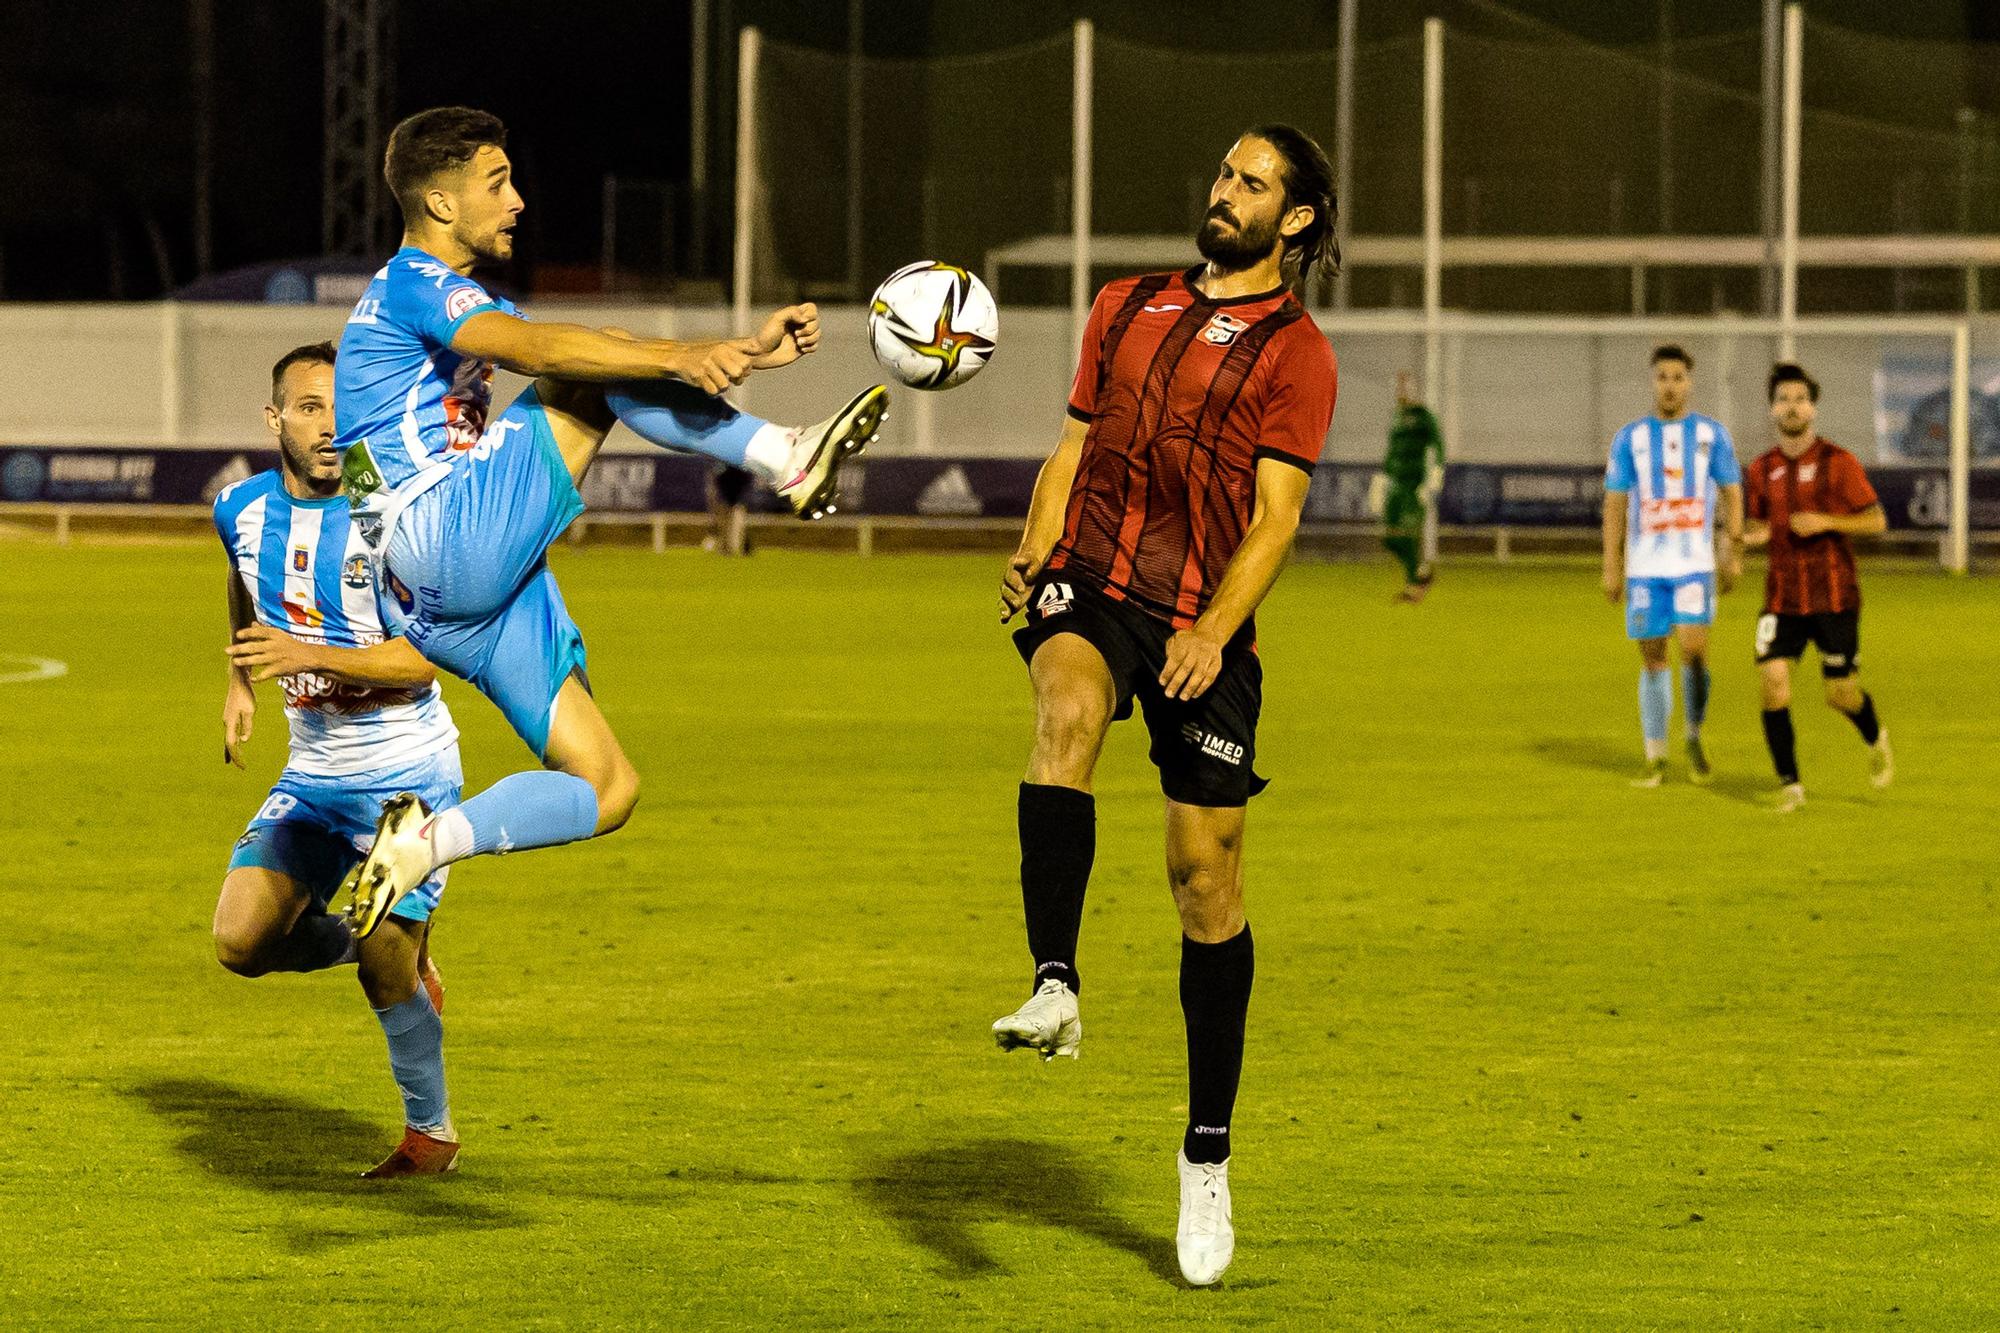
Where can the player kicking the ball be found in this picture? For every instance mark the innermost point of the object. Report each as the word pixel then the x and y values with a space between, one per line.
pixel 1668 472
pixel 1807 497
pixel 1201 403
pixel 367 723
pixel 460 510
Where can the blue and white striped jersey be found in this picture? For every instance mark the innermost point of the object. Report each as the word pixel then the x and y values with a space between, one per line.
pixel 309 573
pixel 408 406
pixel 1671 470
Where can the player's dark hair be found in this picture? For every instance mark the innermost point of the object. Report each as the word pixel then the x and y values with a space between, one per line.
pixel 1790 372
pixel 1671 352
pixel 432 142
pixel 312 353
pixel 1308 182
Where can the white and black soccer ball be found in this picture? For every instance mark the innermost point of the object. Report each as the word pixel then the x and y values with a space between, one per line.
pixel 933 325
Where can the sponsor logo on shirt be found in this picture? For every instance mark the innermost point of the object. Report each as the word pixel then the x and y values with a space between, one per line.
pixel 463 299
pixel 1163 309
pixel 1685 514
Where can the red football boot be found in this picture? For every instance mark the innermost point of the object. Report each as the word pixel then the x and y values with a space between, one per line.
pixel 417 1155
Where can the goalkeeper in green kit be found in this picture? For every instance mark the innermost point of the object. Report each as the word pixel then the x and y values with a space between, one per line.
pixel 1401 493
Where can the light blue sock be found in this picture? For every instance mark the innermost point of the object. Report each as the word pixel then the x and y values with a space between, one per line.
pixel 1694 696
pixel 522 810
pixel 679 416
pixel 1656 702
pixel 416 1058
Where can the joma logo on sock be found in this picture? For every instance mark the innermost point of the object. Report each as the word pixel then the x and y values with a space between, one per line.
pixel 1229 752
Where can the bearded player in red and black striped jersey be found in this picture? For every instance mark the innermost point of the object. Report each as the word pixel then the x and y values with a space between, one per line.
pixel 1806 497
pixel 1201 403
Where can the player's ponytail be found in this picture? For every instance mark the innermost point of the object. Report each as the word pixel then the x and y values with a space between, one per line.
pixel 1308 182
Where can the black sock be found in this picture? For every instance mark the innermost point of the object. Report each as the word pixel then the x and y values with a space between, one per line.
pixel 1784 746
pixel 1058 843
pixel 316 940
pixel 1215 999
pixel 1864 720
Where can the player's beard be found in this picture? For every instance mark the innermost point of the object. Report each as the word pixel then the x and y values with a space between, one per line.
pixel 1235 249
pixel 303 460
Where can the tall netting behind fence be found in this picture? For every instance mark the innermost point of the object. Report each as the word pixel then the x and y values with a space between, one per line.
pixel 866 165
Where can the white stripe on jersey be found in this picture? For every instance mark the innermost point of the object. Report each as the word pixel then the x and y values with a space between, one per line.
pixel 413 441
pixel 250 536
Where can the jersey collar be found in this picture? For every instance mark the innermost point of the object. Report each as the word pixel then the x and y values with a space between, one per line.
pixel 1187 281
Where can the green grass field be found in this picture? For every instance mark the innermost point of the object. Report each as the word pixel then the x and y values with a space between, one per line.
pixel 1528 1048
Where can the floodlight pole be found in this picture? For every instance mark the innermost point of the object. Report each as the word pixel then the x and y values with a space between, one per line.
pixel 749 45
pixel 1433 240
pixel 1080 183
pixel 1958 540
pixel 1343 146
pixel 1767 285
pixel 1788 267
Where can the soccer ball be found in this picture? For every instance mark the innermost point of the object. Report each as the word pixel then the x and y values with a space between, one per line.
pixel 933 325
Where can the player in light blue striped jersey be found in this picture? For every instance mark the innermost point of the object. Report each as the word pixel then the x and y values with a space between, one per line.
pixel 1669 472
pixel 460 509
pixel 367 722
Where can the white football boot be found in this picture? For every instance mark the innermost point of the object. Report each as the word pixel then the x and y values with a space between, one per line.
pixel 812 483
pixel 1206 1239
pixel 1047 1023
pixel 1791 798
pixel 1882 760
pixel 399 861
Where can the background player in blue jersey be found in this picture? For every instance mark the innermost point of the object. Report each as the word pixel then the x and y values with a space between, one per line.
pixel 1668 473
pixel 462 509
pixel 367 722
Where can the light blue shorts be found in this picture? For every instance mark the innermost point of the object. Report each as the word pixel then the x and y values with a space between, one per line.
pixel 313 829
pixel 1654 606
pixel 468 569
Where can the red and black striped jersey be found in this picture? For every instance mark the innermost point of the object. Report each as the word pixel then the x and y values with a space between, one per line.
pixel 1808 574
pixel 1184 395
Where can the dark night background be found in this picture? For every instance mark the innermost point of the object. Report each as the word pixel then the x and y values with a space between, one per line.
pixel 97 102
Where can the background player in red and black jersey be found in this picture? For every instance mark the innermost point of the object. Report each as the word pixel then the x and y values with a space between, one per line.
pixel 1201 403
pixel 1807 496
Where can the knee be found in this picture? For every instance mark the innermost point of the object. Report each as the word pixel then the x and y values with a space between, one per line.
pixel 1069 725
pixel 1777 694
pixel 1843 696
pixel 238 951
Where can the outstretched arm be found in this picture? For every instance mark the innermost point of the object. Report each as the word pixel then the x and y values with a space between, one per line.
pixel 1194 656
pixel 575 352
pixel 262 653
pixel 1045 518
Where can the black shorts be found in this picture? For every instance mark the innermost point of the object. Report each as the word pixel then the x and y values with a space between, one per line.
pixel 1837 635
pixel 1203 747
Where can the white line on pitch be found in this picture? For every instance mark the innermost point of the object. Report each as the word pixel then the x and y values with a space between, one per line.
pixel 38 668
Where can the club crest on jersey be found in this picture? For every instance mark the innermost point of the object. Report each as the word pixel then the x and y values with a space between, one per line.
pixel 300 558
pixel 1808 471
pixel 355 572
pixel 1222 330
pixel 1055 598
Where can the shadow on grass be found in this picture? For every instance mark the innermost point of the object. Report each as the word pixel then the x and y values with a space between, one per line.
pixel 1591 752
pixel 939 1195
pixel 1601 756
pixel 282 1145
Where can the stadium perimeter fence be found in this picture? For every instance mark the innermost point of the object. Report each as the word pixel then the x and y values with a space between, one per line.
pixel 1528 404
